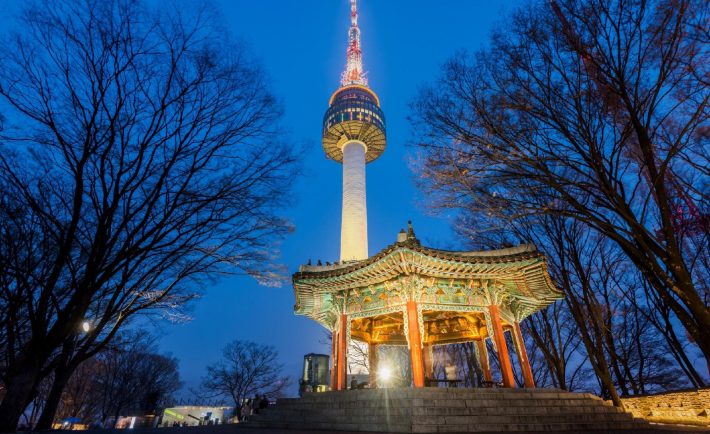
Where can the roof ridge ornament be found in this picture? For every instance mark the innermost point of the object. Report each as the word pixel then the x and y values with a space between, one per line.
pixel 408 237
pixel 410 231
pixel 401 236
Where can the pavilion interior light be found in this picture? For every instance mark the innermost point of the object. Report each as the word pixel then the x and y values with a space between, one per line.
pixel 384 374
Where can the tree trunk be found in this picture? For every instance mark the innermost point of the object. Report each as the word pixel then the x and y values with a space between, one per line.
pixel 46 419
pixel 593 346
pixel 21 388
pixel 689 308
pixel 554 359
pixel 475 373
pixel 682 357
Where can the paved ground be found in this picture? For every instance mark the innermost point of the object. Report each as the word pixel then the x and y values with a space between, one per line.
pixel 244 429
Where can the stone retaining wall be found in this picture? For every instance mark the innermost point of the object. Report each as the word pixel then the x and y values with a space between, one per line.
pixel 686 407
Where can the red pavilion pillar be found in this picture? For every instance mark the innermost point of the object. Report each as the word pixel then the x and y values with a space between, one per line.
pixel 334 361
pixel 415 345
pixel 523 355
pixel 503 356
pixel 483 360
pixel 342 369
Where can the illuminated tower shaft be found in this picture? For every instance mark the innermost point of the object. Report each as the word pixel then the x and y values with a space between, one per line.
pixel 354 134
pixel 353 234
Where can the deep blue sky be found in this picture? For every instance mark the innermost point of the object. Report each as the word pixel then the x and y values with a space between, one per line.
pixel 301 44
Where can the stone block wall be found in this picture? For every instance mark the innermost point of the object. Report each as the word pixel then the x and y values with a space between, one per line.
pixel 687 407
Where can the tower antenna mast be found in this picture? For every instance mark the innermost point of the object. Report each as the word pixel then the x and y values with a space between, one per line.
pixel 353 73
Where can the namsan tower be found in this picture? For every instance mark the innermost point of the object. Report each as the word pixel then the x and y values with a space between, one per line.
pixel 354 134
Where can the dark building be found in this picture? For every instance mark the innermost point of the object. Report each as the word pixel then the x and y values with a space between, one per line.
pixel 315 373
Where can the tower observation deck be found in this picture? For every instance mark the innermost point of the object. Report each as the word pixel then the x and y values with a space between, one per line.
pixel 354 134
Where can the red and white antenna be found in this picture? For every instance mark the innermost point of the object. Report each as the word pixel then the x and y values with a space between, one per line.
pixel 353 73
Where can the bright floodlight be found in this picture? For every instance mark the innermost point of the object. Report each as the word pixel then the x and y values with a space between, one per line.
pixel 86 326
pixel 385 373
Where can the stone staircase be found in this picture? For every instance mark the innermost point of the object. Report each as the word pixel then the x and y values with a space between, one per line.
pixel 430 410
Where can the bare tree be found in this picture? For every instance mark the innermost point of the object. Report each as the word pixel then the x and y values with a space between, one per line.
pixel 463 356
pixel 79 397
pixel 133 377
pixel 246 369
pixel 647 304
pixel 554 335
pixel 140 154
pixel 596 328
pixel 128 375
pixel 592 110
pixel 626 353
pixel 358 358
pixel 34 409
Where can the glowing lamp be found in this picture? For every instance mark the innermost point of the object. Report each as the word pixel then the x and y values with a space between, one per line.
pixel 385 373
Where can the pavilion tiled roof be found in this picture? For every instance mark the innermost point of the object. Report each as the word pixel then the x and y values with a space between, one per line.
pixel 500 256
pixel 521 269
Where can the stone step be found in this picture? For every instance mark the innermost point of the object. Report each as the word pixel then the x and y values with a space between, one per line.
pixel 450 419
pixel 435 396
pixel 446 411
pixel 439 394
pixel 510 412
pixel 448 403
pixel 529 427
pixel 519 418
pixel 355 395
pixel 434 428
pixel 495 410
pixel 325 426
pixel 500 418
pixel 432 410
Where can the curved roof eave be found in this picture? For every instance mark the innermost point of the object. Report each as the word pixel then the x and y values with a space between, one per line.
pixel 498 256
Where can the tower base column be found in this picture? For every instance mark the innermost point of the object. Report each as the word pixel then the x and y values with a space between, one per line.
pixel 353 233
